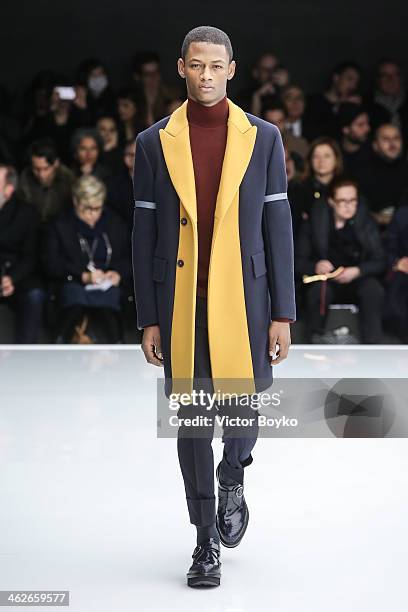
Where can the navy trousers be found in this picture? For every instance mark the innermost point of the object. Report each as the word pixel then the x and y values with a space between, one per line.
pixel 194 445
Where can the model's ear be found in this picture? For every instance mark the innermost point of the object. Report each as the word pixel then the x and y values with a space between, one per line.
pixel 231 69
pixel 180 67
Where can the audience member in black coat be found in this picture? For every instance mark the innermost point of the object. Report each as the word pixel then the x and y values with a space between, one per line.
pixel 384 179
pixel 100 98
pixel 396 303
pixel 45 183
pixel 87 246
pixel 20 284
pixel 323 108
pixel 112 154
pixel 120 187
pixel 268 79
pixel 354 132
pixel 323 163
pixel 87 148
pixel 389 102
pixel 297 123
pixel 342 233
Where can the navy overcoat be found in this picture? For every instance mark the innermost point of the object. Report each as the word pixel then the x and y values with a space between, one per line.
pixel 251 271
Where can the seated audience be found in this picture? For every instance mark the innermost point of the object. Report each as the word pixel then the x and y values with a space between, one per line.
pixel 62 117
pixel 340 232
pixel 396 302
pixel 100 98
pixel 294 102
pixel 112 154
pixel 89 245
pixel 384 178
pixel 149 83
pixel 268 79
pixel 275 113
pixel 129 113
pixel 87 149
pixel 120 187
pixel 389 103
pixel 20 284
pixel 46 183
pixel 323 164
pixel 354 126
pixel 323 108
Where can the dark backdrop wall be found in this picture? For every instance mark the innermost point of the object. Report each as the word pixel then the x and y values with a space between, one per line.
pixel 309 36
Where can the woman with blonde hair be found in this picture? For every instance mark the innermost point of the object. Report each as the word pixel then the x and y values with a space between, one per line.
pixel 88 254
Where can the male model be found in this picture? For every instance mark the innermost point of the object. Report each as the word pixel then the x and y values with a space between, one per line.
pixel 213 271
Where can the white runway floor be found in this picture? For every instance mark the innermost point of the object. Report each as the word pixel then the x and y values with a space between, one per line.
pixel 92 502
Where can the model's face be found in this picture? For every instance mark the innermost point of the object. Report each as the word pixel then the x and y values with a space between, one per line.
pixel 323 160
pixel 206 69
pixel 388 142
pixel 345 202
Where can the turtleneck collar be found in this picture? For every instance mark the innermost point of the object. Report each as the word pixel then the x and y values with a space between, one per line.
pixel 207 116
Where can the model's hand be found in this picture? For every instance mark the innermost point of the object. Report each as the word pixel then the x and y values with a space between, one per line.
pixel 279 341
pixel 151 345
pixel 349 274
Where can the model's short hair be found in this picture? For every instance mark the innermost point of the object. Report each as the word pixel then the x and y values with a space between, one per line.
pixel 207 34
pixel 89 188
pixel 11 176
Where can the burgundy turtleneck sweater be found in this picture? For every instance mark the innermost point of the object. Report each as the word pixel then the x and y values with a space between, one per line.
pixel 208 138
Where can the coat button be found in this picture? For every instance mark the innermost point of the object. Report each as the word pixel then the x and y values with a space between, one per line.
pixel 183 221
pixel 180 262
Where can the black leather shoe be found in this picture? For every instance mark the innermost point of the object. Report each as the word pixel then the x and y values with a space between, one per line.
pixel 232 512
pixel 206 567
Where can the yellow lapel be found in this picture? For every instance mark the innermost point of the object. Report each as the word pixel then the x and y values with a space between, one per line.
pixel 175 141
pixel 240 143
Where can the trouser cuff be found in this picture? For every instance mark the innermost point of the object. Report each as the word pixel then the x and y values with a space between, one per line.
pixel 236 474
pixel 201 511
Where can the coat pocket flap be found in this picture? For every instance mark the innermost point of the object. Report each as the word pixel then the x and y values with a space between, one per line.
pixel 258 263
pixel 159 269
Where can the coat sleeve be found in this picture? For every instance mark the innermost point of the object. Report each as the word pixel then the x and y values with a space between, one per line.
pixel 144 233
pixel 278 236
